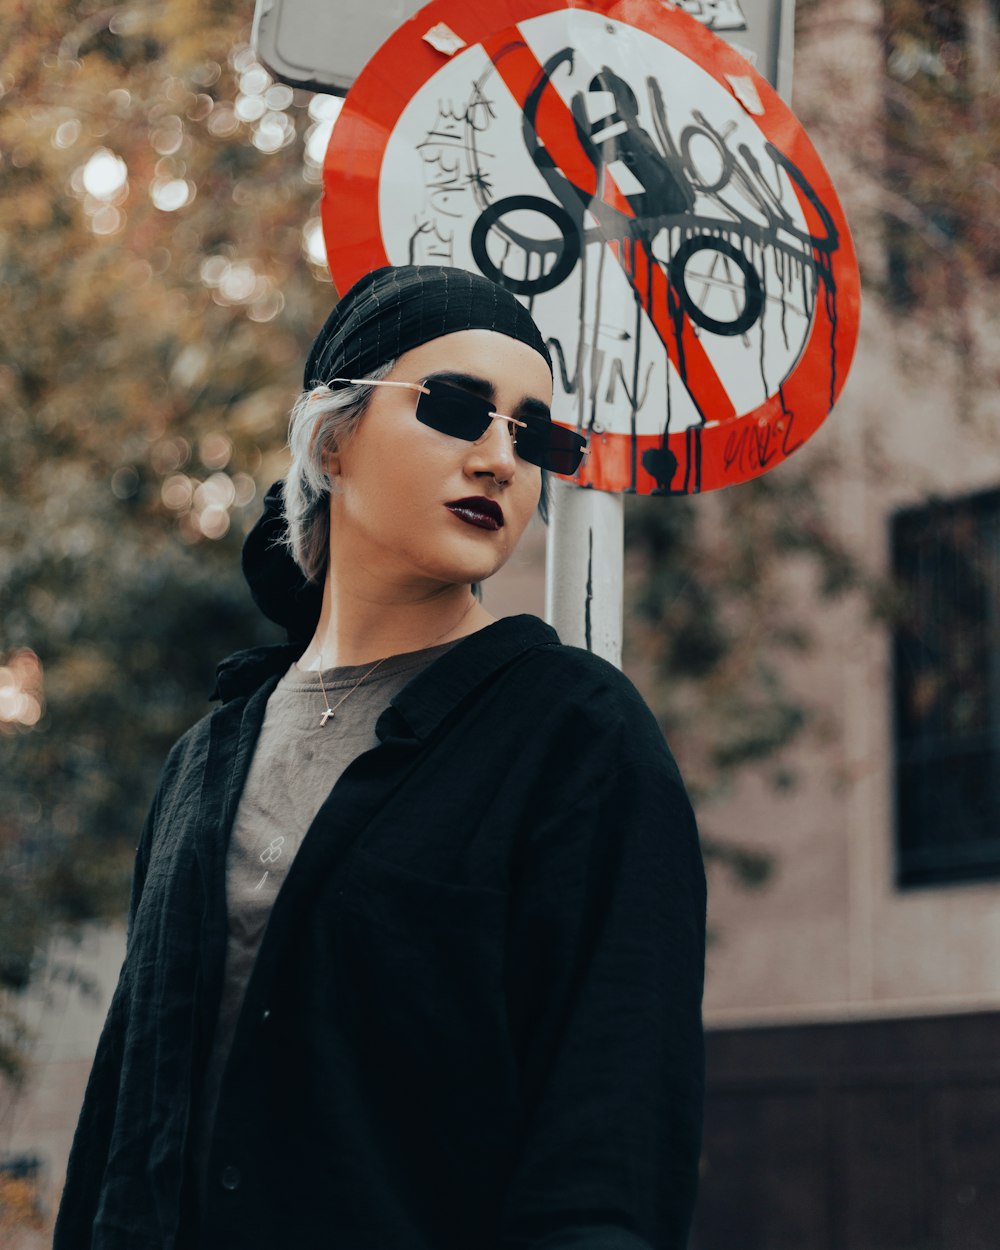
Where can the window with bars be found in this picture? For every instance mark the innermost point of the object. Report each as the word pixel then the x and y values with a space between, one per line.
pixel 946 686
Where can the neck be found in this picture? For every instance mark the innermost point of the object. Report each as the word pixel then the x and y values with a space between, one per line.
pixel 360 628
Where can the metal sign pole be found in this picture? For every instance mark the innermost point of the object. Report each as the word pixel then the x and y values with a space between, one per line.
pixel 585 543
pixel 584 558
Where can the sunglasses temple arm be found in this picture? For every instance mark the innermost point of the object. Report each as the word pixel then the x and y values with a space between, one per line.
pixel 410 386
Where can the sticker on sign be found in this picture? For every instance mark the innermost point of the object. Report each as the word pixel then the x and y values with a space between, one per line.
pixel 647 195
pixel 715 14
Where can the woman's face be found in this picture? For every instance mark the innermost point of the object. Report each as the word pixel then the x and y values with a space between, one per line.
pixel 394 477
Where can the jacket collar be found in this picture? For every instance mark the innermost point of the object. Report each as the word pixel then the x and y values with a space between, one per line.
pixel 243 672
pixel 427 700
pixel 421 705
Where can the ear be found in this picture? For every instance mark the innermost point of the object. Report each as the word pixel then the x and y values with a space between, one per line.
pixel 330 461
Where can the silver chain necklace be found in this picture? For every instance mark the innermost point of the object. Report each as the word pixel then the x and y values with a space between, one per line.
pixel 330 712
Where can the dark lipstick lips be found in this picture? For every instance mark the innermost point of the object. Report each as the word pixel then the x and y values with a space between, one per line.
pixel 478 510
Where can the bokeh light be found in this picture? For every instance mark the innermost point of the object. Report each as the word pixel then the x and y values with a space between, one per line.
pixel 324 111
pixel 20 690
pixel 223 122
pixel 216 491
pixel 250 107
pixel 107 220
pixel 124 482
pixel 215 450
pixel 177 492
pixel 170 194
pixel 168 136
pixel 313 243
pixel 274 131
pixel 105 176
pixel 66 133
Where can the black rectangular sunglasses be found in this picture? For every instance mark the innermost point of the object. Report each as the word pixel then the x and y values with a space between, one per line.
pixel 449 409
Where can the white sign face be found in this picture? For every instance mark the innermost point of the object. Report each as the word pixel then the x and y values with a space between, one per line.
pixel 696 172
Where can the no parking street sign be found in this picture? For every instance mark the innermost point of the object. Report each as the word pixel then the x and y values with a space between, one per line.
pixel 648 196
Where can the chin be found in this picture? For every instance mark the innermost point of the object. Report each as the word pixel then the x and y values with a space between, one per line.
pixel 472 575
pixel 465 566
pixel 462 574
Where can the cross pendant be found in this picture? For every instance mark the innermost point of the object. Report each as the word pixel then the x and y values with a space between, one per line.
pixel 325 717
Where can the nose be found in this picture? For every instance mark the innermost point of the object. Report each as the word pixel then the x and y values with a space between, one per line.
pixel 493 453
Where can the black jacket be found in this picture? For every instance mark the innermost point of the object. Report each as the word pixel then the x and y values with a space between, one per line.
pixel 475 1018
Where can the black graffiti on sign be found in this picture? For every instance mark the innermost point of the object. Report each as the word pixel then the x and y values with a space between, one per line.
pixel 743 219
pixel 723 224
pixel 452 164
pixel 568 251
pixel 671 177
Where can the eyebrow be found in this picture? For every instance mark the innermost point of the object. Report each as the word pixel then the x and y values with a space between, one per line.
pixel 529 406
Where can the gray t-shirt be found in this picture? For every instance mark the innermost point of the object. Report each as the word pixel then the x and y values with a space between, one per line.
pixel 296 763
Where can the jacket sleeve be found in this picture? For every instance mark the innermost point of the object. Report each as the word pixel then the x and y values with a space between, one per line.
pixel 604 985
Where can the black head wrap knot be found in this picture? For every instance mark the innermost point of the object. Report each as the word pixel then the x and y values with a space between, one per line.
pixel 275 580
pixel 386 313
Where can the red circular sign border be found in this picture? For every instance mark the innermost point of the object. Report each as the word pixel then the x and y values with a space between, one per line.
pixel 729 452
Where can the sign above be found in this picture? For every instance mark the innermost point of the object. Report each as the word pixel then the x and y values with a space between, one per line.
pixel 648 196
pixel 322 44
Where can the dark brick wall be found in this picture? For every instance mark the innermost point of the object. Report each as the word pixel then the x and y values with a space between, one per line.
pixel 874 1135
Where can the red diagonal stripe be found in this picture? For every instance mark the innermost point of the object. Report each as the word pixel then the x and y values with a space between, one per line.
pixel 555 127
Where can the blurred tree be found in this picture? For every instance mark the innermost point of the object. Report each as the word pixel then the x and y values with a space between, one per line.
pixel 719 591
pixel 913 140
pixel 942 119
pixel 19 1208
pixel 158 292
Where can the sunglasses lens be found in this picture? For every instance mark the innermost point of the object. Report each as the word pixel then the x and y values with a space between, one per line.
pixel 450 410
pixel 453 411
pixel 551 446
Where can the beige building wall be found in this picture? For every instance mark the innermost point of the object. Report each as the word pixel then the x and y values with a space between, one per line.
pixel 39 1118
pixel 831 936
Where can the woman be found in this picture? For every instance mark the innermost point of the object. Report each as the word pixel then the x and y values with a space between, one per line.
pixel 415 948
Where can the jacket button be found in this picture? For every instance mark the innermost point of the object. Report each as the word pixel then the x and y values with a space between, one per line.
pixel 230 1177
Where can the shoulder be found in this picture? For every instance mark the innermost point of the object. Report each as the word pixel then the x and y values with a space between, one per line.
pixel 186 758
pixel 586 685
pixel 193 742
pixel 585 710
pixel 610 773
pixel 588 671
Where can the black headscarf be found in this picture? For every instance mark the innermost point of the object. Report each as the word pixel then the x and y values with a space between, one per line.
pixel 386 313
pixel 392 310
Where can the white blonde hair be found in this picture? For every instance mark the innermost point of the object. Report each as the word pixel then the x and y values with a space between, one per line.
pixel 321 421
